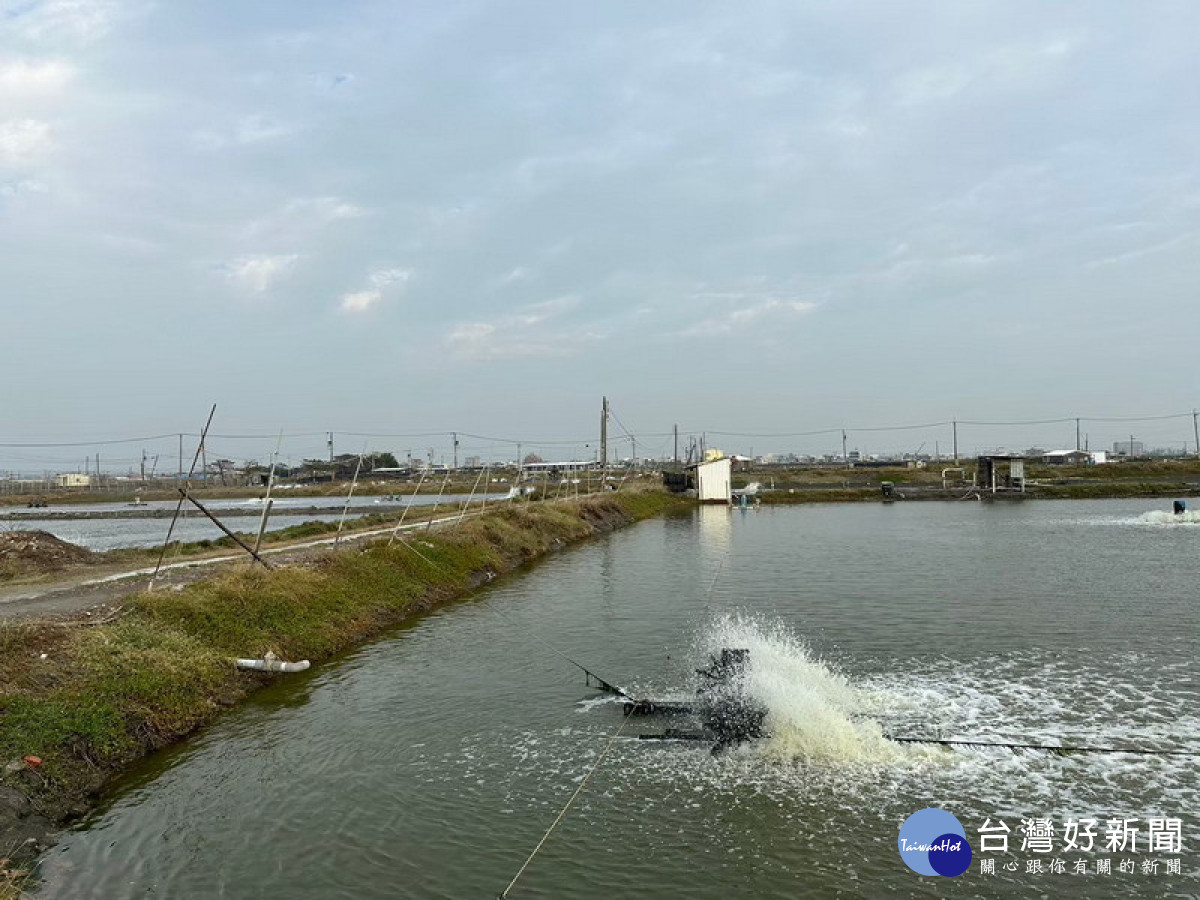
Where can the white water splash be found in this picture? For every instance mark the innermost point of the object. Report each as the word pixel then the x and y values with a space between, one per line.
pixel 810 706
pixel 1162 517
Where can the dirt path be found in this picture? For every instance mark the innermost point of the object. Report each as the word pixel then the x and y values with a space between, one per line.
pixel 85 588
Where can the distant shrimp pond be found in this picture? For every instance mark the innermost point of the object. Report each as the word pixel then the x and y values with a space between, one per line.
pixel 430 763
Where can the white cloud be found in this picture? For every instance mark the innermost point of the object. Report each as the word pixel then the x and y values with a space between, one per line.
pixel 521 334
pixel 22 141
pixel 746 315
pixel 360 301
pixel 256 274
pixel 382 278
pixel 83 21
pixel 329 209
pixel 298 219
pixel 251 129
pixel 21 186
pixel 536 313
pixel 516 274
pixel 1029 64
pixel 383 282
pixel 22 77
pixel 1142 252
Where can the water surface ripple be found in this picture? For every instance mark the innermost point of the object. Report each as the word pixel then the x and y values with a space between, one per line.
pixel 427 764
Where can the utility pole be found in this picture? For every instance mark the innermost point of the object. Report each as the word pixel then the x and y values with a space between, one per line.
pixel 181 456
pixel 845 457
pixel 955 441
pixel 676 443
pixel 1131 446
pixel 633 441
pixel 143 465
pixel 454 435
pixel 329 443
pixel 1196 432
pixel 1078 446
pixel 603 433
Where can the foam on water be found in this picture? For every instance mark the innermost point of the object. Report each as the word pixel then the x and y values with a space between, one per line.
pixel 810 706
pixel 826 775
pixel 1057 701
pixel 826 729
pixel 1150 519
pixel 1164 517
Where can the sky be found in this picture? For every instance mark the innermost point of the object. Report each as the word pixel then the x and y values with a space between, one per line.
pixel 763 218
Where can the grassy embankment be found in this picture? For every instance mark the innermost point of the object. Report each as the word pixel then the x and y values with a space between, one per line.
pixel 89 700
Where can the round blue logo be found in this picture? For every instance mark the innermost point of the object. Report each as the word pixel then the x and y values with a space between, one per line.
pixel 932 842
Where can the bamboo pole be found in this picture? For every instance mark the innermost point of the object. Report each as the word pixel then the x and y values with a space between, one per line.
pixel 349 495
pixel 407 507
pixel 179 506
pixel 184 495
pixel 267 502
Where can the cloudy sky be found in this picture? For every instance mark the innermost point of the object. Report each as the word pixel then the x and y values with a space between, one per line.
pixel 760 217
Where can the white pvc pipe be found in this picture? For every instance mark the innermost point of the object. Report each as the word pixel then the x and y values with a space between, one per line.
pixel 273 665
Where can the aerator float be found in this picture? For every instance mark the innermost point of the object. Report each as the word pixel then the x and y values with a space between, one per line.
pixel 722 714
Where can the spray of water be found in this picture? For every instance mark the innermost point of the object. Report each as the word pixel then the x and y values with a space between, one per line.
pixel 1162 517
pixel 811 708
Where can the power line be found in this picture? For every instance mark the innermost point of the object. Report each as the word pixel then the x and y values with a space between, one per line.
pixel 101 443
pixel 491 440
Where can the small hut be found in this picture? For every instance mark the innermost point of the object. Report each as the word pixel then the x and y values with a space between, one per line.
pixel 1000 475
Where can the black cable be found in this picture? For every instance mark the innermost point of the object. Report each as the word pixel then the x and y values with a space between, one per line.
pixel 1051 747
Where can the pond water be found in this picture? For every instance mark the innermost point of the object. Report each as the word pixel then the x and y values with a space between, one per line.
pixel 111 533
pixel 430 763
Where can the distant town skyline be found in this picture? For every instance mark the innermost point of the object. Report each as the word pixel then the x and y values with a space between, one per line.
pixel 168 453
pixel 769 219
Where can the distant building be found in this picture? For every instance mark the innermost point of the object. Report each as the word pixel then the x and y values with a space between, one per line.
pixel 471 462
pixel 1067 458
pixel 1128 448
pixel 72 480
pixel 556 468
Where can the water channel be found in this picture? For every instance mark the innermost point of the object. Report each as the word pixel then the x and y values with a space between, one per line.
pixel 109 530
pixel 429 763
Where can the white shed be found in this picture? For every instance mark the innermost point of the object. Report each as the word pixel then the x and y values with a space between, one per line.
pixel 713 481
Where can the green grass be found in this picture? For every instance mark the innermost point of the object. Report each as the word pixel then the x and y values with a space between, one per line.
pixel 110 693
pixel 831 495
pixel 1112 489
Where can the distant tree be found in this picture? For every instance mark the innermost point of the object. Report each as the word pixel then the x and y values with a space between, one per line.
pixel 531 458
pixel 383 460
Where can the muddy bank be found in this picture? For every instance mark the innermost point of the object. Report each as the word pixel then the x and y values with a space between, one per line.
pixel 82 698
pixel 38 552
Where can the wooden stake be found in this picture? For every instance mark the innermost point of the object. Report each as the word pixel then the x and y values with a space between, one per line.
pixel 237 540
pixel 179 506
